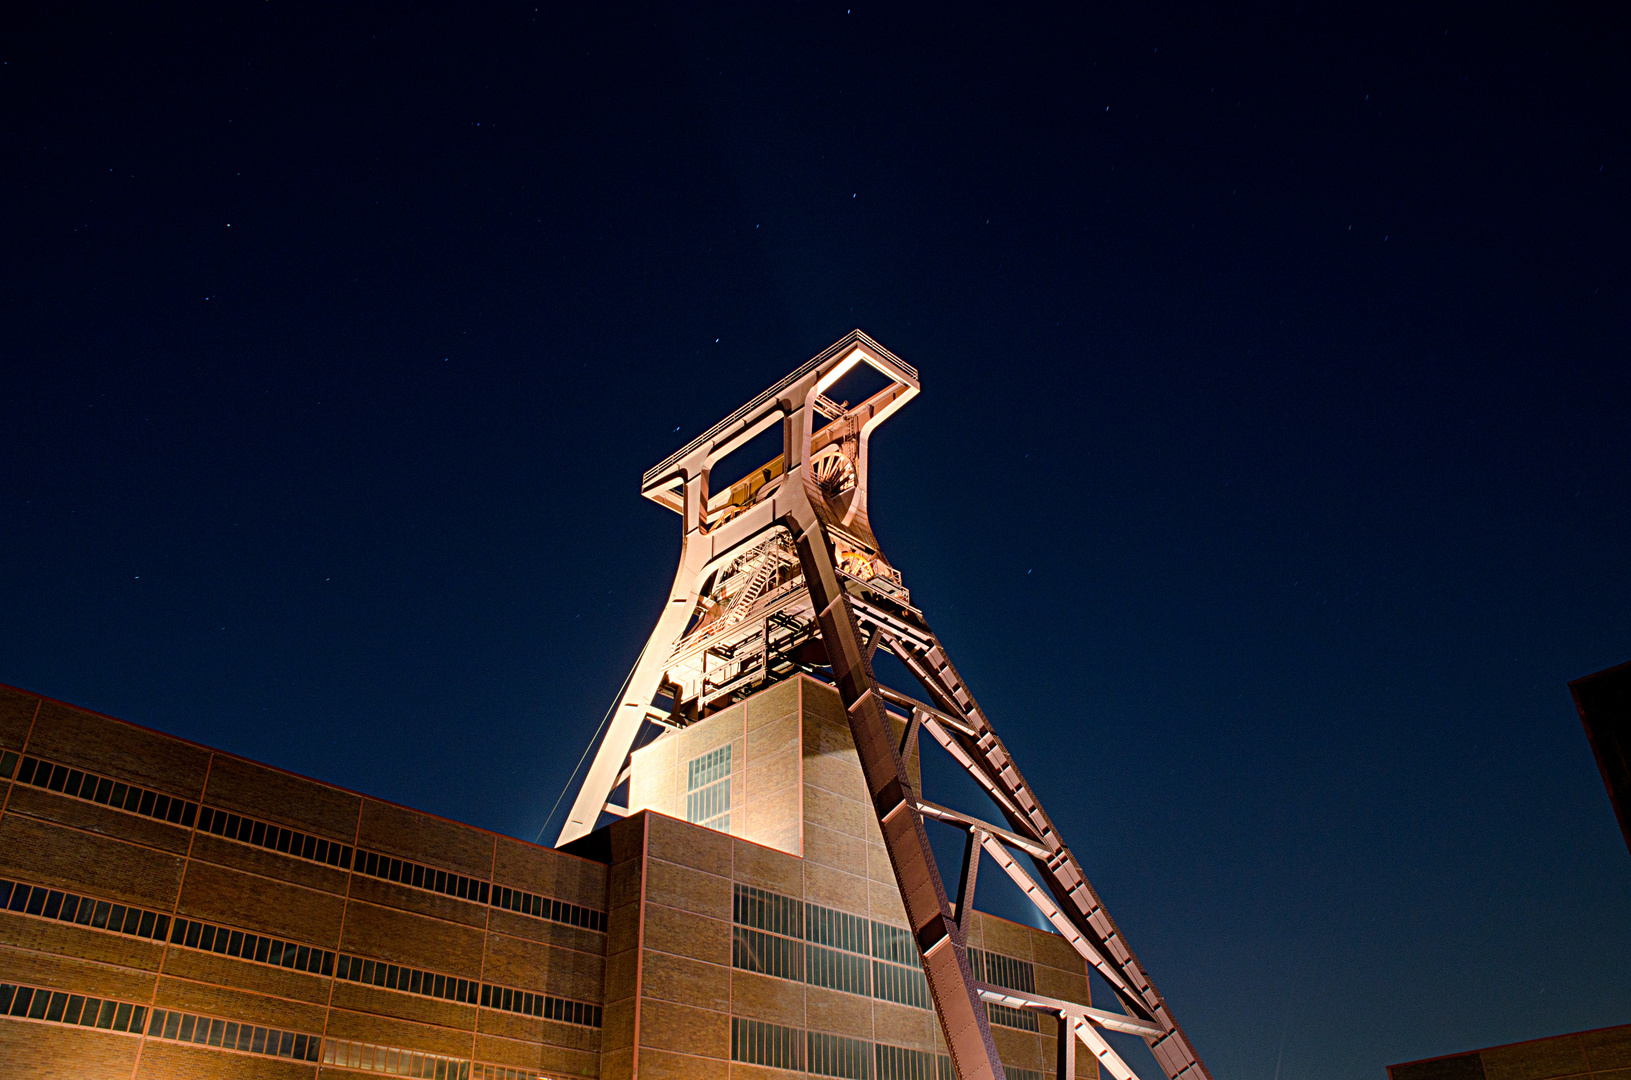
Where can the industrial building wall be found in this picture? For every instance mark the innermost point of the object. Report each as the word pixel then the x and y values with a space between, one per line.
pixel 171 911
pixel 731 955
pixel 1604 1054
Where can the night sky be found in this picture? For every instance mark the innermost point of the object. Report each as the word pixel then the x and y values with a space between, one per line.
pixel 1268 483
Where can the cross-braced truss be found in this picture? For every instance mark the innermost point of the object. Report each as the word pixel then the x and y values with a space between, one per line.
pixel 780 573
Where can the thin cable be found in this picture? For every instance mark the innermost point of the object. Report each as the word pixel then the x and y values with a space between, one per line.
pixel 592 740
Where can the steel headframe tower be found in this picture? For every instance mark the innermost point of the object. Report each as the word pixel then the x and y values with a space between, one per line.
pixel 780 573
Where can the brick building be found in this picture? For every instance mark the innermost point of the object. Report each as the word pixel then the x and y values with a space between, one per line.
pixel 1604 1054
pixel 167 910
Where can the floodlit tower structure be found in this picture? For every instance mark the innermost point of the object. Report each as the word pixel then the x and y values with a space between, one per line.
pixel 780 574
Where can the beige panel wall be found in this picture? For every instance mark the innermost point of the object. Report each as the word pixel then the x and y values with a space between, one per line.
pixel 76 846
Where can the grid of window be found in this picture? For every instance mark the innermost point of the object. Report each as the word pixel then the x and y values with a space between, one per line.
pixel 708 789
pixel 230 1035
pixel 393 1061
pixel 1004 971
pixel 899 1063
pixel 1024 1019
pixel 542 907
pixel 838 929
pixel 768 911
pixel 501 1072
pixel 1022 1074
pixel 256 947
pixel 768 954
pixel 66 907
pixel 902 985
pixel 56 1007
pixel 407 980
pixel 834 1055
pixel 836 944
pixel 108 792
pixel 836 970
pixel 274 838
pixel 772 1045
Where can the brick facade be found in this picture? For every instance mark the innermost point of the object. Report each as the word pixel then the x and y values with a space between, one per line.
pixel 172 911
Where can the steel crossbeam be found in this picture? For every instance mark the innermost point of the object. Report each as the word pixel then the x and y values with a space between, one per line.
pixel 780 574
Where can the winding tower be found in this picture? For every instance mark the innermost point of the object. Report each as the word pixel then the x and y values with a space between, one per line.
pixel 781 579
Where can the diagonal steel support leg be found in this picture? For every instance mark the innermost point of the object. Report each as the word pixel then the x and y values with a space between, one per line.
pixel 940 939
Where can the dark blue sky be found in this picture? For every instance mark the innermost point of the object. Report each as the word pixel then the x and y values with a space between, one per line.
pixel 1269 481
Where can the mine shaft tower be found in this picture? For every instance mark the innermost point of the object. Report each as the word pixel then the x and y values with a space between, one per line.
pixel 780 574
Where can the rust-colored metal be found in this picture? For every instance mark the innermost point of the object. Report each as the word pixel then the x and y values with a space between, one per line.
pixel 779 574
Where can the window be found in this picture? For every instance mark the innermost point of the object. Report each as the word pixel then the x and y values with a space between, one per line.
pixel 834 1055
pixel 1004 971
pixel 368 1057
pixel 230 1035
pixel 772 1045
pixel 254 947
pixel 57 1007
pixel 274 838
pixel 107 791
pixel 899 1063
pixel 708 789
pixel 98 914
pixel 1024 1019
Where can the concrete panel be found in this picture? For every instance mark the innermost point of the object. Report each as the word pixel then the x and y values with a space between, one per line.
pixel 688 845
pixel 674 978
pixel 244 787
pixel 669 1025
pixel 387 1031
pixel 64 939
pixel 119 750
pixel 545 932
pixel 174 1061
pixel 667 1065
pixel 218 895
pixel 541 870
pixel 829 847
pixel 242 975
pixel 780 1001
pixel 1538 1060
pixel 61 1052
pixel 770 705
pixel 835 889
pixel 418 901
pixel 92 817
pixel 414 1007
pixel 79 976
pixel 767 868
pixel 254 860
pixel 237 1005
pixel 45 854
pixel 680 887
pixel 844 1014
pixel 406 834
pixel 685 934
pixel 16 717
pixel 1607 1049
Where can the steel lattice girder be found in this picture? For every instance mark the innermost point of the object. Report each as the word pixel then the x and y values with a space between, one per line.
pixel 722 527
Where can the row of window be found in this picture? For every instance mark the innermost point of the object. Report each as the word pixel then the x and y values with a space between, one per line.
pixel 542 907
pixel 1024 1019
pixel 257 947
pixel 1004 971
pixel 835 951
pixel 468 991
pixel 441 881
pixel 108 792
pixel 502 1072
pixel 299 845
pixel 397 1062
pixel 264 834
pixel 755 1042
pixel 57 1007
pixel 708 789
pixel 230 1035
pixel 66 907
